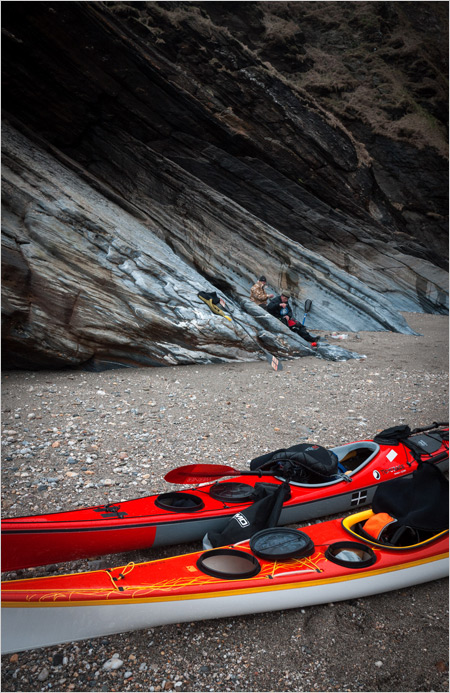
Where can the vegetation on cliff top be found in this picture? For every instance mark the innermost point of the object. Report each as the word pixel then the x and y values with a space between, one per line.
pixel 384 64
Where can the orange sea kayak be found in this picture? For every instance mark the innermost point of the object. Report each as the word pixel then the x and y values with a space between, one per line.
pixel 277 569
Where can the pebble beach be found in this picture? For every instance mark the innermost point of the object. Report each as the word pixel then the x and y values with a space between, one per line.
pixel 76 438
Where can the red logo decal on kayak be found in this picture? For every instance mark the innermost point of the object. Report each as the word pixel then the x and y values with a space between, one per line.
pixel 394 470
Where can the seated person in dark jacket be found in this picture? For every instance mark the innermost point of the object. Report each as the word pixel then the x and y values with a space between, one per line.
pixel 280 308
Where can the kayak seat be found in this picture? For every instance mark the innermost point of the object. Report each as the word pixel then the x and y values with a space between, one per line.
pixel 353 457
pixel 385 530
pixel 391 533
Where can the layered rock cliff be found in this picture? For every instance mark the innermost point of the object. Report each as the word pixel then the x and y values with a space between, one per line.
pixel 151 150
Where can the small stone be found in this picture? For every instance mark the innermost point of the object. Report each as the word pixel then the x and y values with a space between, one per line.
pixel 43 675
pixel 113 663
pixel 379 664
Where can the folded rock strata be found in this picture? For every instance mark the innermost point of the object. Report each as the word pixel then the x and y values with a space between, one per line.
pixel 139 170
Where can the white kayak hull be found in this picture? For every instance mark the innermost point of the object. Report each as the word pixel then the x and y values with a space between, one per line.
pixel 39 625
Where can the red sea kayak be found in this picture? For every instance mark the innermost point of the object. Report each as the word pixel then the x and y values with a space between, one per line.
pixel 330 561
pixel 183 516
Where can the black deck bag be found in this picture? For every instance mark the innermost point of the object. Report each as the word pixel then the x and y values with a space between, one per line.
pixel 418 503
pixel 392 436
pixel 420 443
pixel 262 514
pixel 302 463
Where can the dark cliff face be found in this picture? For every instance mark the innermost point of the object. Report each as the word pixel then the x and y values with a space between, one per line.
pixel 242 136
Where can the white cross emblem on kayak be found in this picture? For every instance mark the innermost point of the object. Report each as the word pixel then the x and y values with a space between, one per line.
pixel 358 498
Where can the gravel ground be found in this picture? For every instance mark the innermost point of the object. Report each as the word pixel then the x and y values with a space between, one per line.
pixel 76 438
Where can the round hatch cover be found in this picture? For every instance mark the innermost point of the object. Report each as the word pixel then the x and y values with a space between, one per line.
pixel 232 492
pixel 281 542
pixel 179 502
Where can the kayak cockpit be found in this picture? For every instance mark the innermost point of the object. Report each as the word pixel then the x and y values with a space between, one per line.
pixel 351 458
pixel 355 456
pixel 406 512
pixel 388 536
